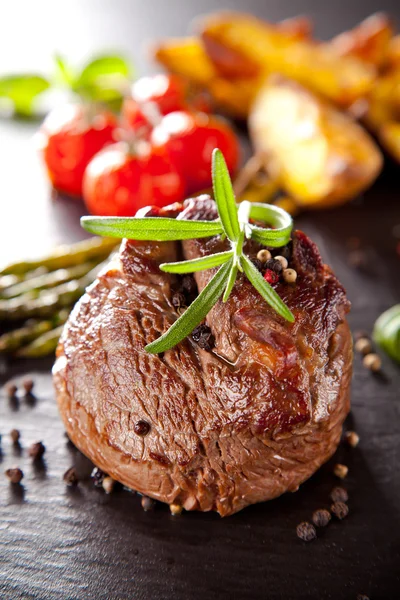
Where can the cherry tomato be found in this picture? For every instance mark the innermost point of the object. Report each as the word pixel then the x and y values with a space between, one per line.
pixel 118 182
pixel 71 136
pixel 189 139
pixel 166 92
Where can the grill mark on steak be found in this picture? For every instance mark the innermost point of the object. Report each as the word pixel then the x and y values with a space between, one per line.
pixel 242 424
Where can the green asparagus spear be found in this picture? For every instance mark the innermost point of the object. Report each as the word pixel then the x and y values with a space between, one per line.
pixel 47 281
pixel 8 281
pixel 11 341
pixel 24 307
pixel 48 301
pixel 43 345
pixel 65 256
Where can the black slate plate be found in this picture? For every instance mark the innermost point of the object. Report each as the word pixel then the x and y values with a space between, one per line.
pixel 58 542
pixel 62 543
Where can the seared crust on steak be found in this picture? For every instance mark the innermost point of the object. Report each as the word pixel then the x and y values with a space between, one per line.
pixel 242 424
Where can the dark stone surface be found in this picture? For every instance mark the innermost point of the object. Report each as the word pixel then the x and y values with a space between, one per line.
pixel 58 542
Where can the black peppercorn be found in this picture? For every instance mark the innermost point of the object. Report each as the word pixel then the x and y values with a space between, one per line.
pixel 258 264
pixel 15 435
pixel 14 475
pixel 28 385
pixel 37 450
pixel 203 336
pixel 306 531
pixel 70 477
pixel 178 300
pixel 147 503
pixel 11 390
pixel 339 494
pixel 98 477
pixel 274 265
pixel 340 510
pixel 141 428
pixel 321 517
pixel 286 252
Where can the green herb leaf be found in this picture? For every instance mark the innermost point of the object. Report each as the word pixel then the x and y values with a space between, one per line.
pixel 150 228
pixel 224 196
pixel 266 237
pixel 266 291
pixel 231 282
pixel 22 90
pixel 387 332
pixel 197 264
pixel 64 73
pixel 104 79
pixel 194 314
pixel 104 66
pixel 274 217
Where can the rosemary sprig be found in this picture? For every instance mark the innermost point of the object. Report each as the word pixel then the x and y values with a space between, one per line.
pixel 235 223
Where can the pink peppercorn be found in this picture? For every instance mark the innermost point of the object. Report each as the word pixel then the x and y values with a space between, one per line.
pixel 271 276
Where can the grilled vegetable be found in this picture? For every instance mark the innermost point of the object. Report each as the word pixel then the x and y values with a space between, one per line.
pixel 47 281
pixel 13 340
pixel 48 301
pixel 383 116
pixel 43 345
pixel 369 41
pixel 65 256
pixel 187 57
pixel 342 79
pixel 318 155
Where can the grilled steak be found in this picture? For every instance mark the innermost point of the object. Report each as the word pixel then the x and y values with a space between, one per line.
pixel 216 429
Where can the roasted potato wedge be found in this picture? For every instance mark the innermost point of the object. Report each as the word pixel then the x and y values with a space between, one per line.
pixel 383 112
pixel 393 53
pixel 369 41
pixel 299 28
pixel 187 58
pixel 341 79
pixel 389 136
pixel 319 155
pixel 231 63
pixel 384 100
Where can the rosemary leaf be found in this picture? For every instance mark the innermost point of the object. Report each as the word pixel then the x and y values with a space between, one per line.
pixel 197 264
pixel 231 282
pixel 194 314
pixel 266 237
pixel 265 290
pixel 151 228
pixel 224 196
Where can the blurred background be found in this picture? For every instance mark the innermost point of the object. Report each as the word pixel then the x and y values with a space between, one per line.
pixel 30 35
pixel 328 152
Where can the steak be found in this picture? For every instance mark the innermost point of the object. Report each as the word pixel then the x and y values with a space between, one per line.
pixel 216 429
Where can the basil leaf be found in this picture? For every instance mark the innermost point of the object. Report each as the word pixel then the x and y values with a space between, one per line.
pixel 197 264
pixel 104 66
pixel 231 282
pixel 224 196
pixel 63 72
pixel 22 90
pixel 387 332
pixel 265 290
pixel 194 314
pixel 150 228
pixel 104 79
